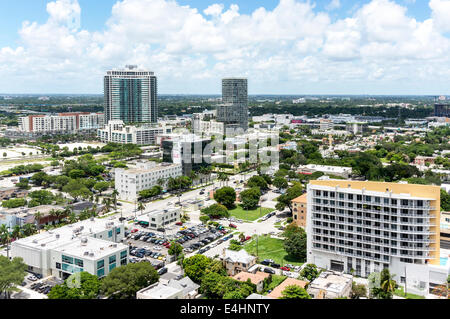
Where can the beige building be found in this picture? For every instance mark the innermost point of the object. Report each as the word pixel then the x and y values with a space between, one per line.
pixel 237 261
pixel 299 207
pixel 330 285
pixel 363 227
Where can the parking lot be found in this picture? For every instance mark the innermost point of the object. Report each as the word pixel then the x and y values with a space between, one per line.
pixel 153 246
pixel 42 286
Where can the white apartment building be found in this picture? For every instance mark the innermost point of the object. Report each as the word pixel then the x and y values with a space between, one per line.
pixel 146 175
pixel 363 227
pixel 117 132
pixel 211 127
pixel 62 122
pixel 91 245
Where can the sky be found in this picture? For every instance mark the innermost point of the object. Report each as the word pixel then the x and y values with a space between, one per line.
pixel 299 47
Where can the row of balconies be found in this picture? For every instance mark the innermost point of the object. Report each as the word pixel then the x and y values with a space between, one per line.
pixel 414 240
pixel 423 233
pixel 381 228
pixel 390 246
pixel 373 203
pixel 346 213
pixel 361 224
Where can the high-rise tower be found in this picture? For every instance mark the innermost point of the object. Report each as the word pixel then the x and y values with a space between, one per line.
pixel 131 95
pixel 234 108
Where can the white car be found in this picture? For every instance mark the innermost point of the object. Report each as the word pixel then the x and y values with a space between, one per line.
pixel 32 278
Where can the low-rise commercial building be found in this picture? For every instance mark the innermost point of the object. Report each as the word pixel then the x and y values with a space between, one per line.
pixel 341 171
pixel 184 288
pixel 160 218
pixel 91 245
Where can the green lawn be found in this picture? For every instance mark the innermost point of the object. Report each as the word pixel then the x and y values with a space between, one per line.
pixel 276 281
pixel 250 215
pixel 401 293
pixel 271 248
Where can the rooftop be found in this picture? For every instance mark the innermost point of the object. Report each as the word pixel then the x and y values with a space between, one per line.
pixel 301 199
pixel 240 256
pixel 331 281
pixel 66 234
pixel 91 248
pixel 276 293
pixel 254 278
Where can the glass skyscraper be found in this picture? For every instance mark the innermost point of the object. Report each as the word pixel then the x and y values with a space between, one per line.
pixel 131 95
pixel 234 108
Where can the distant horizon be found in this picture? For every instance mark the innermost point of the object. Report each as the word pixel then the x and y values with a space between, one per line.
pixel 219 95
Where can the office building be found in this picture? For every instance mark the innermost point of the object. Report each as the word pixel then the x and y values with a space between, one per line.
pixel 61 123
pixel 234 108
pixel 160 218
pixel 363 227
pixel 91 245
pixel 189 150
pixel 442 110
pixel 131 95
pixel 129 182
pixel 117 132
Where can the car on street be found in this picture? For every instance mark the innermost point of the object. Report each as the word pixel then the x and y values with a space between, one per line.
pixel 162 271
pixel 232 225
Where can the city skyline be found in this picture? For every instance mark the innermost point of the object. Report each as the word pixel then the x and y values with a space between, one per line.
pixel 377 47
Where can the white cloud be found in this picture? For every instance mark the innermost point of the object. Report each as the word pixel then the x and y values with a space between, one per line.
pixel 191 50
pixel 333 5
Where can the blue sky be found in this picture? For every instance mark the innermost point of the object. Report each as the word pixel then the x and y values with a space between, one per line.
pixel 289 47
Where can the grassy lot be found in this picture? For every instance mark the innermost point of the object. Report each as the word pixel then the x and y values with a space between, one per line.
pixel 401 293
pixel 271 248
pixel 250 215
pixel 276 281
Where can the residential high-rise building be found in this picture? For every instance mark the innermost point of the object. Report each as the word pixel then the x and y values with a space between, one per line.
pixel 442 110
pixel 61 122
pixel 362 227
pixel 234 108
pixel 131 95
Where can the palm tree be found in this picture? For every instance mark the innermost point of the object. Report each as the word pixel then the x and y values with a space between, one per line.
pixel 37 218
pixel 114 194
pixel 73 218
pixel 388 283
pixel 4 233
pixel 16 232
pixel 141 207
pixel 107 203
pixel 29 229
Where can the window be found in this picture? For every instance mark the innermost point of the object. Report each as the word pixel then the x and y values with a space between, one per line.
pixel 79 262
pixel 67 260
pixel 112 266
pixel 58 266
pixel 112 259
pixel 101 272
pixel 100 264
pixel 118 230
pixel 110 233
pixel 123 254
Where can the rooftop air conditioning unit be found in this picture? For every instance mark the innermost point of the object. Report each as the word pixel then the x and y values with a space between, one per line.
pixel 91 254
pixel 86 253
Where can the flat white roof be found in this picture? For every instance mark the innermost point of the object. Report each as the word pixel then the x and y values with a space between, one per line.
pixel 160 291
pixel 61 236
pixel 92 248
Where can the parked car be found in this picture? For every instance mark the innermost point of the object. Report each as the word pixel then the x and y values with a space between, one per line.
pixel 285 268
pixel 265 262
pixel 269 270
pixel 179 224
pixel 232 225
pixel 162 271
pixel 274 265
